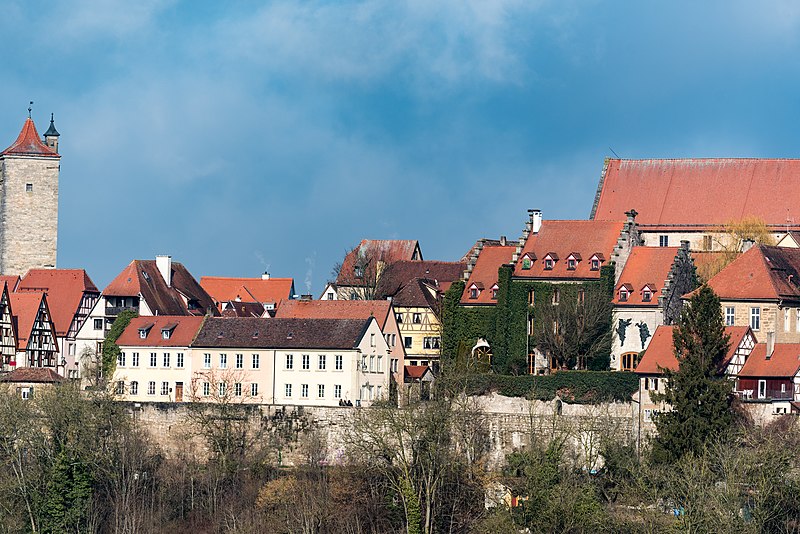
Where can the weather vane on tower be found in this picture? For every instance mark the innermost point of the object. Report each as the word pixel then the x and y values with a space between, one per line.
pixel 30 108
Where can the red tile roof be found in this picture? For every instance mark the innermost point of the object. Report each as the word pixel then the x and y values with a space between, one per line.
pixel 335 309
pixel 11 280
pixel 25 307
pixel 35 375
pixel 646 266
pixel 784 363
pixel 562 238
pixel 185 329
pixel 223 289
pixel 64 288
pixel 660 353
pixel 143 277
pixel 761 273
pixel 29 143
pixel 687 191
pixel 376 250
pixel 415 372
pixel 485 272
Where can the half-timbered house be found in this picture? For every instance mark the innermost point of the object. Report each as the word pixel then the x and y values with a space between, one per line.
pixel 37 344
pixel 8 335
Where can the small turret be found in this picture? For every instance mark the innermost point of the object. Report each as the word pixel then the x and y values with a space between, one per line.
pixel 51 135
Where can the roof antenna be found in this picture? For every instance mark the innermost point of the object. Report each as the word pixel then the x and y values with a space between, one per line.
pixel 30 107
pixel 612 151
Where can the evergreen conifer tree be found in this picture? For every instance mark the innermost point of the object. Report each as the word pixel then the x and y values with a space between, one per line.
pixel 698 392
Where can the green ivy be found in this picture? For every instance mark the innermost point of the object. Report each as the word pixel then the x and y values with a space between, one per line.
pixel 581 387
pixel 110 349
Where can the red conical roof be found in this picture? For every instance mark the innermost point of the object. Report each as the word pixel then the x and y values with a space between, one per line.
pixel 29 143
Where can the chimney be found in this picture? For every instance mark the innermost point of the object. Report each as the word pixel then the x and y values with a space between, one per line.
pixel 265 276
pixel 770 344
pixel 536 220
pixel 164 264
pixel 503 241
pixel 747 244
pixel 305 298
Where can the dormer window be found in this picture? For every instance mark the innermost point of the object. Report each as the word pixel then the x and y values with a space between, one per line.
pixel 142 333
pixel 473 292
pixel 548 264
pixel 647 294
pixel 358 270
pixel 165 334
pixel 571 264
pixel 494 292
pixel 526 262
pixel 595 264
pixel 623 294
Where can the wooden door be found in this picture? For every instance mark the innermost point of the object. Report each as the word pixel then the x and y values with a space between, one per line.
pixel 178 391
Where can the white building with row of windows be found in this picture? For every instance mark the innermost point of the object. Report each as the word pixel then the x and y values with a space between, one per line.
pixel 314 362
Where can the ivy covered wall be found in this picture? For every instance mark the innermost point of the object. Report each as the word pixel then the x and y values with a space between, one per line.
pixel 505 325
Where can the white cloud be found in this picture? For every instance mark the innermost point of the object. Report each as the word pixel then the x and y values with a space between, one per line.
pixel 90 20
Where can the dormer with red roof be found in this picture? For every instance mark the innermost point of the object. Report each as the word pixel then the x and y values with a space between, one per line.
pixel 29 188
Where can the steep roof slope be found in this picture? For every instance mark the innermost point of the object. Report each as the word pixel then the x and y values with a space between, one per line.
pixel 784 362
pixel 64 288
pixel 687 191
pixel 402 273
pixel 183 329
pixel 761 273
pixel 660 353
pixel 374 251
pixel 28 143
pixel 25 307
pixel 335 309
pixel 223 289
pixel 646 266
pixel 485 272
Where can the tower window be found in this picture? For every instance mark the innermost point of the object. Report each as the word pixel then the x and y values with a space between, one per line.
pixel 29 188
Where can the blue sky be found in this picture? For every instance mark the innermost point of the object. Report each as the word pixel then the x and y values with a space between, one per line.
pixel 249 136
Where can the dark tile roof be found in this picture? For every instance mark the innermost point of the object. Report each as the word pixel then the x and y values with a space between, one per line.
pixel 41 375
pixel 399 274
pixel 376 251
pixel 241 332
pixel 233 308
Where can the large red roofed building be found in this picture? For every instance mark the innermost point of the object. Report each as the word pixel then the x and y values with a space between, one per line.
pixel 772 373
pixel 682 199
pixel 266 290
pixel 481 285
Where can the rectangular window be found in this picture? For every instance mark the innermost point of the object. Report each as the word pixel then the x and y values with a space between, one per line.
pixel 338 362
pixel 179 360
pixel 416 318
pixel 730 315
pixel 223 389
pixel 556 295
pixel 786 319
pixel 306 362
pixel 304 391
pixel 166 359
pixel 223 361
pixel 240 361
pixel 135 359
pixel 206 389
pixel 393 365
pixel 206 361
pixel 237 389
pixel 253 389
pixel 121 387
pixel 134 388
pixel 706 242
pixel 165 388
pixel 151 388
pixel 663 241
pixel 321 391
pixel 755 318
pixel 407 342
pixel 29 188
pixel 371 363
pixel 337 392
pixel 121 359
pixel 256 361
pixel 399 317
pixel 380 363
pixel 394 338
pixel 153 359
pixel 289 363
pixel 287 390
pixel 98 324
pixel 321 363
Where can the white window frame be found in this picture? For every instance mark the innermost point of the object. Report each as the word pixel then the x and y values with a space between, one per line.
pixel 306 359
pixel 207 360
pixel 223 360
pixel 240 361
pixel 322 362
pixel 730 315
pixel 289 364
pixel 338 362
pixel 256 361
pixel 254 389
pixel 755 318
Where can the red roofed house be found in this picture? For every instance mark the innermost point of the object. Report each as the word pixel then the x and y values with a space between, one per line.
pixel 71 295
pixel 155 361
pixel 680 199
pixel 37 342
pixel 8 332
pixel 660 354
pixel 480 277
pixel 647 295
pixel 363 266
pixel 772 375
pixel 148 287
pixel 29 188
pixel 382 310
pixel 266 290
pixel 761 289
pixel 566 252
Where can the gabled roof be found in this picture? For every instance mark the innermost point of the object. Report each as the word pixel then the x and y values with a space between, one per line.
pixel 761 273
pixel 402 273
pixel 10 280
pixel 485 272
pixel 784 362
pixel 482 243
pixel 33 375
pixel 142 277
pixel 377 250
pixel 419 293
pixel 223 289
pixel 233 308
pixel 645 266
pixel 669 192
pixel 29 143
pixel 64 288
pixel 25 307
pixel 660 353
pixel 183 329
pixel 335 309
pixel 564 237
pixel 298 334
pixel 417 373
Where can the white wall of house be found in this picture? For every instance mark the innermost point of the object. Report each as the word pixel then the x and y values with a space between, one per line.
pixel 651 316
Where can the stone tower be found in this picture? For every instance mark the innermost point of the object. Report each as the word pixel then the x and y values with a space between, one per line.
pixel 29 201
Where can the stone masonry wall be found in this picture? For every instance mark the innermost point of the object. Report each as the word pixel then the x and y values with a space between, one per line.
pixel 28 219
